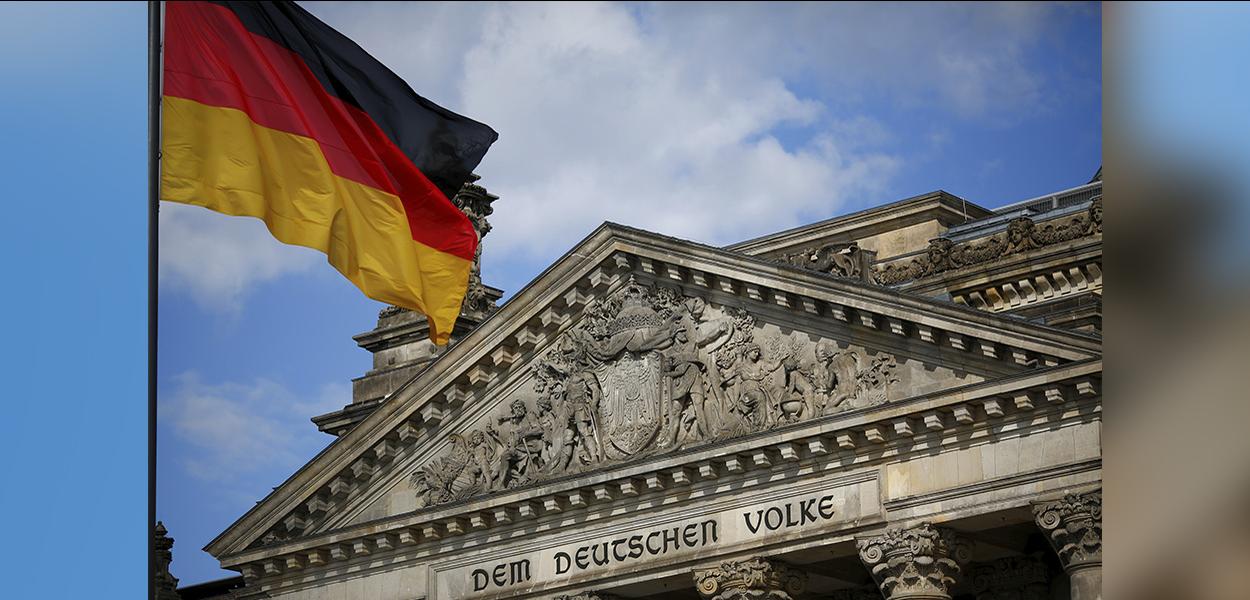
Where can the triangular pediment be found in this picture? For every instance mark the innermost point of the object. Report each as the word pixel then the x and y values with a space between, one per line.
pixel 636 347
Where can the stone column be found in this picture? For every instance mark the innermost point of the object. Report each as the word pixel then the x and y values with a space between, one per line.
pixel 920 563
pixel 1073 525
pixel 752 579
pixel 1011 578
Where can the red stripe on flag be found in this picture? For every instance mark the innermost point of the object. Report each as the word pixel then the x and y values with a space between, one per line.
pixel 212 59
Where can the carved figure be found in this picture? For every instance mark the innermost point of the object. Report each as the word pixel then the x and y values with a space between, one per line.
pixel 584 399
pixel 753 403
pixel 828 382
pixel 558 435
pixel 523 444
pixel 647 370
pixel 841 260
pixel 687 371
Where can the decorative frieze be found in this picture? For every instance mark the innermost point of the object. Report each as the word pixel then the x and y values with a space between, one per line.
pixel 647 371
pixel 706 373
pixel 1073 524
pixel 1022 235
pixel 921 562
pixel 978 407
pixel 752 579
pixel 839 260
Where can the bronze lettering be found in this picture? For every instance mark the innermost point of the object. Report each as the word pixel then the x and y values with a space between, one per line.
pixel 826 507
pixel 670 540
pixel 594 554
pixel 635 546
pixel 759 518
pixel 563 563
pixel 806 506
pixel 709 524
pixel 690 534
pixel 583 557
pixel 481 579
pixel 520 570
pixel 768 518
pixel 651 536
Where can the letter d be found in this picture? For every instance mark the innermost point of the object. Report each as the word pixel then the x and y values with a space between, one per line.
pixel 563 563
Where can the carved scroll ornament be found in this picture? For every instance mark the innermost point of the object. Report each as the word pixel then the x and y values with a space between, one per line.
pixel 752 579
pixel 1074 526
pixel 921 562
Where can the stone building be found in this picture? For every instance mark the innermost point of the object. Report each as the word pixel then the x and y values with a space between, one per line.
pixel 903 402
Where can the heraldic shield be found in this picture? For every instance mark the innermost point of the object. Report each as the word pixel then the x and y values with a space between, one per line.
pixel 630 412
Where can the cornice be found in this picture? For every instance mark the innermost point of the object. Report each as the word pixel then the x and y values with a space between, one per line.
pixel 469 370
pixel 946 207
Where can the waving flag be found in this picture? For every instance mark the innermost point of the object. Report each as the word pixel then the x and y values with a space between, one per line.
pixel 270 113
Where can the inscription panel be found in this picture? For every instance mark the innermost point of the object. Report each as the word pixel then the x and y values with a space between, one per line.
pixel 673 536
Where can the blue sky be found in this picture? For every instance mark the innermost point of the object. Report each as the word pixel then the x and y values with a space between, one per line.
pixel 711 123
pixel 715 124
pixel 259 338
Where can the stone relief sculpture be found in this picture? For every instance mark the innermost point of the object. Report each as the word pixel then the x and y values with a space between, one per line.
pixel 475 202
pixel 841 260
pixel 1022 235
pixel 647 371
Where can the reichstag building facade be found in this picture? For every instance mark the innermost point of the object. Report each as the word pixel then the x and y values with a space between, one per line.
pixel 900 403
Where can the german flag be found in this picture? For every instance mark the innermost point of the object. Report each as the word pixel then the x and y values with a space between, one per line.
pixel 270 113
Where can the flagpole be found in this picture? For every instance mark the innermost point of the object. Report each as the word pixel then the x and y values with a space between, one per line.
pixel 154 182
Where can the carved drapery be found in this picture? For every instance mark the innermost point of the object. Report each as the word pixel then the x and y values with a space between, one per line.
pixel 917 563
pixel 752 579
pixel 648 371
pixel 1022 235
pixel 1011 578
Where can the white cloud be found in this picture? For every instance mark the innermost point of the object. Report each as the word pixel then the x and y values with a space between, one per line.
pixel 230 430
pixel 711 123
pixel 215 259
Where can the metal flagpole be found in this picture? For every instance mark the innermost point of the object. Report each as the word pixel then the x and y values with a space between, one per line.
pixel 154 182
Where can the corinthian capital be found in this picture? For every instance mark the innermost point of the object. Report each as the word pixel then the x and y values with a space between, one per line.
pixel 752 579
pixel 916 563
pixel 1074 526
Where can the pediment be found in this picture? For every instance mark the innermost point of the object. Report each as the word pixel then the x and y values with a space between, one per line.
pixel 636 347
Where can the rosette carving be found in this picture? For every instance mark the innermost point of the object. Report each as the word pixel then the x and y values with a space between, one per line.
pixel 752 579
pixel 1073 525
pixel 921 562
